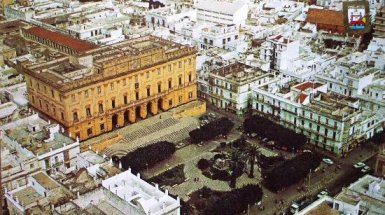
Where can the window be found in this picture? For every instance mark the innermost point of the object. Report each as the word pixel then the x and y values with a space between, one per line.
pixel 189 61
pixel 159 87
pixel 73 98
pixel 75 116
pixel 31 166
pixel 148 92
pixel 326 132
pixel 62 115
pixel 180 64
pixel 125 99
pixel 113 103
pixel 180 99
pixel 52 94
pixel 112 86
pixel 180 80
pixel 86 93
pixel 137 95
pixel 99 90
pixel 102 127
pixel 170 102
pixel 310 125
pixel 33 99
pixel 46 107
pixel 318 128
pixel 89 131
pixel 88 112
pixel 101 108
pixel 189 77
pixel 147 74
pixel 236 37
pixel 136 85
pixel 334 135
pixel 170 83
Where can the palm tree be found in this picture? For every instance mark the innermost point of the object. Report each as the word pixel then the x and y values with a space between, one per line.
pixel 252 153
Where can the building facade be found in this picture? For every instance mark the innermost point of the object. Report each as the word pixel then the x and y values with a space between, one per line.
pixel 331 122
pixel 98 90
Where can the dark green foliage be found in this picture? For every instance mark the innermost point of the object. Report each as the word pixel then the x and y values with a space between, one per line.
pixel 235 201
pixel 203 164
pixel 221 126
pixel 291 171
pixel 170 177
pixel 378 138
pixel 266 128
pixel 148 155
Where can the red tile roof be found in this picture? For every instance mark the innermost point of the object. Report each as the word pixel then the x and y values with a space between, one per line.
pixel 302 98
pixel 306 85
pixel 328 17
pixel 65 40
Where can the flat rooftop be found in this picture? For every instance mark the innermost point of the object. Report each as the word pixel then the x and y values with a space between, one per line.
pixel 131 55
pixel 324 208
pixel 45 181
pixel 27 195
pixel 139 193
pixel 92 157
pixel 34 141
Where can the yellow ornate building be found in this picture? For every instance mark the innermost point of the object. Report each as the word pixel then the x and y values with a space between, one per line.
pixel 96 89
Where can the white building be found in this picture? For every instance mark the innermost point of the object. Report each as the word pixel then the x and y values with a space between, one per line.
pixel 36 197
pixel 169 17
pixel 104 26
pixel 330 121
pixel 222 36
pixel 122 194
pixel 222 12
pixel 277 47
pixel 32 137
pixel 364 196
pixel 229 86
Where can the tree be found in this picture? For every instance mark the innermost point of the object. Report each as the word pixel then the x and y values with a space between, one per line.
pixel 147 156
pixel 221 126
pixel 252 153
pixel 235 201
pixel 266 128
pixel 203 164
pixel 291 171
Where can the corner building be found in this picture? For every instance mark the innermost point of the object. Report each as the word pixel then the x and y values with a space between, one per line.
pixel 94 90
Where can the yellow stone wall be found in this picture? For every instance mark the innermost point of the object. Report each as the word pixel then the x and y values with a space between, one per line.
pixel 62 106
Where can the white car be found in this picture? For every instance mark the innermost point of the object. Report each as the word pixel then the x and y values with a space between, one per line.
pixel 359 165
pixel 365 169
pixel 328 161
pixel 322 194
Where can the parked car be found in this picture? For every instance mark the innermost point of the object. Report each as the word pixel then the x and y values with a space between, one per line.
pixel 212 115
pixel 328 161
pixel 323 193
pixel 365 169
pixel 359 165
